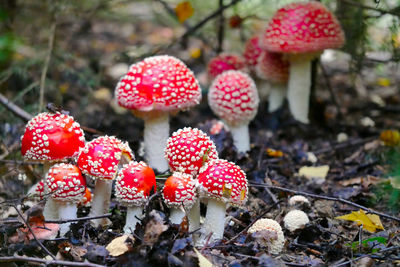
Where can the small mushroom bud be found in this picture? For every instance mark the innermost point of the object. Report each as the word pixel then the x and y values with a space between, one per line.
pixel 295 219
pixel 268 232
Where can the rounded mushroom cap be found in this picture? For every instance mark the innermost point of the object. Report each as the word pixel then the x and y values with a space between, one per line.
pixel 179 190
pixel 252 51
pixel 302 27
pixel 101 156
pixel 162 83
pixel 233 97
pixel 224 62
pixel 273 67
pixel 275 244
pixel 298 199
pixel 64 182
pixel 188 149
pixel 224 181
pixel 295 219
pixel 134 183
pixel 37 190
pixel 51 137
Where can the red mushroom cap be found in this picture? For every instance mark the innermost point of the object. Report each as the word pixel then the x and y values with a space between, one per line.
pixel 224 62
pixel 233 97
pixel 101 156
pixel 179 190
pixel 158 83
pixel 223 180
pixel 273 67
pixel 252 51
pixel 134 183
pixel 188 149
pixel 39 190
pixel 51 137
pixel 302 27
pixel 65 182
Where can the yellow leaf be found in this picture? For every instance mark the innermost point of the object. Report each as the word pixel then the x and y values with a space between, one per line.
pixel 184 10
pixel 203 261
pixel 385 82
pixel 195 52
pixel 390 137
pixel 370 222
pixel 274 153
pixel 63 88
pixel 318 172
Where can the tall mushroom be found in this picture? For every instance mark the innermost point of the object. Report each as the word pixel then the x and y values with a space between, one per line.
pixel 67 187
pixel 154 88
pixel 100 159
pixel 224 62
pixel 132 188
pixel 51 138
pixel 234 98
pixel 301 31
pixel 220 182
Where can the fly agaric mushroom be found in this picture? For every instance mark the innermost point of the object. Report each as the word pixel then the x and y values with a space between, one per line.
pixel 224 62
pixel 252 52
pixel 234 98
pixel 221 182
pixel 132 188
pixel 67 187
pixel 268 233
pixel 188 149
pixel 301 31
pixel 37 190
pixel 179 194
pixel 51 138
pixel 295 219
pixel 87 198
pixel 153 88
pixel 100 159
pixel 299 201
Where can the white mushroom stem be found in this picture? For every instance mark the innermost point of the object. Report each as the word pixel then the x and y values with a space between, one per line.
pixel 156 133
pixel 276 96
pixel 194 217
pixel 133 216
pixel 241 137
pixel 176 215
pixel 50 210
pixel 215 220
pixel 298 94
pixel 101 201
pixel 67 211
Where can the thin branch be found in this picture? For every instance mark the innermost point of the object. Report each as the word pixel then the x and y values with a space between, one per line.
pixel 330 89
pixel 360 5
pixel 31 231
pixel 341 200
pixel 343 145
pixel 221 28
pixel 48 262
pixel 80 219
pixel 14 108
pixel 46 64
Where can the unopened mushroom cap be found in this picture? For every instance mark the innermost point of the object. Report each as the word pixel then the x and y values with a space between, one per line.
pixel 188 149
pixel 252 51
pixel 275 245
pixel 295 219
pixel 298 199
pixel 51 137
pixel 223 180
pixel 224 62
pixel 134 183
pixel 64 182
pixel 233 97
pixel 161 83
pixel 273 67
pixel 302 27
pixel 101 156
pixel 179 191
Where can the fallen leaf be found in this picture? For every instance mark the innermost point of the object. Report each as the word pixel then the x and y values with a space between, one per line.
pixel 385 82
pixel 119 245
pixel 370 222
pixel 195 52
pixel 274 153
pixel 318 172
pixel 203 261
pixel 183 11
pixel 154 228
pixel 390 137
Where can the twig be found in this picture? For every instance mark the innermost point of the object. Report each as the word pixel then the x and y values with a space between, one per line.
pixel 343 145
pixel 19 162
pixel 221 28
pixel 248 226
pixel 33 234
pixel 344 201
pixel 14 108
pixel 330 89
pixel 80 219
pixel 46 64
pixel 360 5
pixel 48 262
